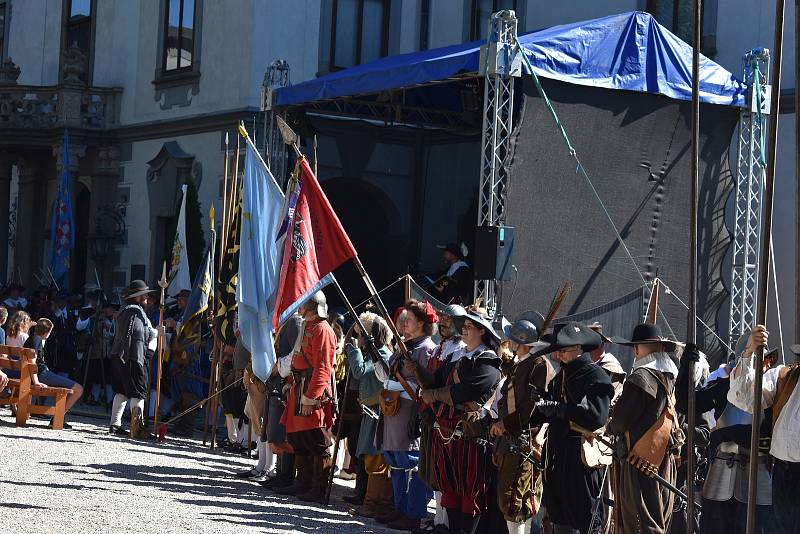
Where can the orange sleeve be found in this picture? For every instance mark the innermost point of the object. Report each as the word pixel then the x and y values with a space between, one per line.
pixel 323 348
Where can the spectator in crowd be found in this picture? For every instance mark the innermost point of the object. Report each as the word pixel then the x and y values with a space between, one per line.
pixel 44 377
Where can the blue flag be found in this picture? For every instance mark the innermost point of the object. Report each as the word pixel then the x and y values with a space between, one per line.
pixel 259 261
pixel 62 233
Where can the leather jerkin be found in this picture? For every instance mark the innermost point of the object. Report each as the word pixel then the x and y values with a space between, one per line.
pixel 648 453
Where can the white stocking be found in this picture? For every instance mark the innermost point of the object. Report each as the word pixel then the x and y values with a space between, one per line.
pixel 118 408
pixel 230 426
pixel 516 528
pixel 441 514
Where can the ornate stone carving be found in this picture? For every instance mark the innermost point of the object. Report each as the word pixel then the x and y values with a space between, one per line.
pixel 107 160
pixel 9 72
pixel 74 65
pixel 48 107
pixel 76 152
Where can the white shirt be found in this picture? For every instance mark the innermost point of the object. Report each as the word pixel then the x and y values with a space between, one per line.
pixel 786 434
pixel 17 341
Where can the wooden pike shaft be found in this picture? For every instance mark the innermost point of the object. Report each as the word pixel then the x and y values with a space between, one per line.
pixel 160 350
pixel 691 331
pixel 764 262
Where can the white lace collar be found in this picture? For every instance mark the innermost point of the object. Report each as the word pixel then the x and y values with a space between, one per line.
pixel 658 361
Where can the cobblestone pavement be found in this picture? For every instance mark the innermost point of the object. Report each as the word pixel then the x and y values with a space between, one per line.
pixel 84 480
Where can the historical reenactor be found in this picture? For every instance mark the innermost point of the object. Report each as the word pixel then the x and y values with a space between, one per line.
pixel 455 284
pixel 398 428
pixel 519 485
pixel 275 431
pixel 450 348
pixel 98 362
pixel 645 421
pixel 780 391
pixel 459 396
pixel 608 362
pixel 379 485
pixel 725 488
pixel 135 341
pixel 61 349
pixel 14 300
pixel 578 401
pixel 309 415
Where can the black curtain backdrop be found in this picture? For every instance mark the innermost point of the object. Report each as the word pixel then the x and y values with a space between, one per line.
pixel 636 149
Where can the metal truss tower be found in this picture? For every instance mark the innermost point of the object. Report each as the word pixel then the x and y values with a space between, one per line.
pixel 274 148
pixel 500 64
pixel 750 172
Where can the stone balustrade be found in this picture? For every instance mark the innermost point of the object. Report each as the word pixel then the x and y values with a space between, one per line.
pixel 61 106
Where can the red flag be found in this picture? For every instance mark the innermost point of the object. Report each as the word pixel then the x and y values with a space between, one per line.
pixel 315 245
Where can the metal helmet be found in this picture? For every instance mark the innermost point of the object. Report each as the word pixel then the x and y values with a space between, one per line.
pixel 522 331
pixel 321 302
pixel 455 311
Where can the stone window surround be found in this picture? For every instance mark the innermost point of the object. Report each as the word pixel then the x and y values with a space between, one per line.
pixel 189 77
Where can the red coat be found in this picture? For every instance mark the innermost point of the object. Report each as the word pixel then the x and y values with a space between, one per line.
pixel 319 348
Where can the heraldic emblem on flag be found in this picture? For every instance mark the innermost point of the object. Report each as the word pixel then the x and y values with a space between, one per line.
pixel 62 233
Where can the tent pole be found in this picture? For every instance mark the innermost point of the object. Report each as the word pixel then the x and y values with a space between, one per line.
pixel 763 264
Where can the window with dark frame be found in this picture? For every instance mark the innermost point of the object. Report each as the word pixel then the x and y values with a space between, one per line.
pixel 359 32
pixel 482 10
pixel 78 28
pixel 424 24
pixel 675 15
pixel 3 22
pixel 179 24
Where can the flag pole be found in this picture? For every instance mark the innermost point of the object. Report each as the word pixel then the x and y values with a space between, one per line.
pixel 691 330
pixel 764 261
pixel 377 358
pixel 225 215
pixel 215 359
pixel 163 285
pixel 289 136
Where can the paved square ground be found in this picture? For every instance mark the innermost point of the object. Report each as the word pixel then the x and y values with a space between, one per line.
pixel 84 480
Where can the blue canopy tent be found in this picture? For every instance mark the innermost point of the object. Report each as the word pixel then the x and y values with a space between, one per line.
pixel 622 88
pixel 629 51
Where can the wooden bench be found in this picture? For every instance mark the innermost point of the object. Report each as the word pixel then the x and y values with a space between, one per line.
pixel 23 391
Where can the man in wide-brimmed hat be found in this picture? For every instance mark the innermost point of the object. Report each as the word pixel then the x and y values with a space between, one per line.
pixel 644 418
pixel 455 284
pixel 135 341
pixel 579 396
pixel 780 392
pixel 519 485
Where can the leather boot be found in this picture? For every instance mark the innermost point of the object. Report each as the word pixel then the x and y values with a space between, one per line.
pixel 362 479
pixel 138 426
pixel 385 512
pixel 302 481
pixel 319 484
pixel 372 498
pixel 285 473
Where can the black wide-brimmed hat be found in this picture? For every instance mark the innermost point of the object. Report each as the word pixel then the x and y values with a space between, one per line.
pixel 479 318
pixel 570 334
pixel 455 249
pixel 136 288
pixel 646 333
pixel 526 329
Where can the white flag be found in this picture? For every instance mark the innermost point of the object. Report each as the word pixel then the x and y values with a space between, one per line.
pixel 179 264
